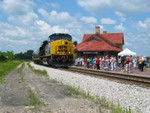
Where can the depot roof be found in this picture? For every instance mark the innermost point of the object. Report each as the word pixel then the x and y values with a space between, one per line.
pixel 101 42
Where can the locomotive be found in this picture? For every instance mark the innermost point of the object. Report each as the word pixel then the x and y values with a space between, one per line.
pixel 57 51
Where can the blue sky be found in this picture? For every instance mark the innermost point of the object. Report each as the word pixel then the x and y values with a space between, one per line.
pixel 24 24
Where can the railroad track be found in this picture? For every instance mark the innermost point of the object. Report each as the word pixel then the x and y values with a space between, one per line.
pixel 130 78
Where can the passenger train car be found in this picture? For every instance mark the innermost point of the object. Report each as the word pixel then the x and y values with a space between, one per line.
pixel 57 51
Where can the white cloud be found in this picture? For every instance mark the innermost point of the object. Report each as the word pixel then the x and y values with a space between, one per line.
pixel 55 17
pixel 17 7
pixel 132 6
pixel 63 21
pixel 119 13
pixel 89 19
pixel 11 31
pixel 24 20
pixel 107 21
pixel 123 19
pixel 54 5
pixel 18 42
pixel 47 29
pixel 94 6
pixel 143 26
pixel 121 16
pixel 137 42
pixel 43 12
pixel 120 27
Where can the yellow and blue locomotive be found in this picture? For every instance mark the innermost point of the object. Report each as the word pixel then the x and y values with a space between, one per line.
pixel 57 51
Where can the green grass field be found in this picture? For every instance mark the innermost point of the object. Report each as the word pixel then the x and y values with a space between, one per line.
pixel 7 67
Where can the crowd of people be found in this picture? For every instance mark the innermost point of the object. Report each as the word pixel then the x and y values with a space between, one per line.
pixel 105 63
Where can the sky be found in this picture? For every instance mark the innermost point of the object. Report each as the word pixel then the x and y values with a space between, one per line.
pixel 25 24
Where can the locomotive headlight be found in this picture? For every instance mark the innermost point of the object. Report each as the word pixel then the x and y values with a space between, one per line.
pixel 57 52
pixel 63 42
pixel 69 52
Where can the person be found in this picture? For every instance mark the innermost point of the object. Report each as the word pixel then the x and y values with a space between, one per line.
pixel 97 63
pixel 81 61
pixel 107 63
pixel 134 62
pixel 85 62
pixel 78 60
pixel 88 64
pixel 119 62
pixel 91 62
pixel 131 62
pixel 112 63
pixel 127 62
pixel 145 62
pixel 102 63
pixel 122 61
pixel 148 62
pixel 141 63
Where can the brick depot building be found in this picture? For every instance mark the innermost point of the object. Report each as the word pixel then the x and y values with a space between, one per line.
pixel 104 44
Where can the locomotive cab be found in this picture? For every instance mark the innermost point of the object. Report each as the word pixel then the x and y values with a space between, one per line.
pixel 61 50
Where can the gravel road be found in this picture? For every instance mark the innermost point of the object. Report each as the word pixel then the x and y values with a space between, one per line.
pixel 14 95
pixel 133 96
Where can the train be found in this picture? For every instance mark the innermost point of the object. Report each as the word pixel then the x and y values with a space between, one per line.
pixel 57 51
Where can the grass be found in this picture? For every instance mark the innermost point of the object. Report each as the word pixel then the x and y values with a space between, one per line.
pixel 99 101
pixel 76 91
pixel 34 101
pixel 20 72
pixel 115 108
pixel 41 72
pixel 7 67
pixel 54 81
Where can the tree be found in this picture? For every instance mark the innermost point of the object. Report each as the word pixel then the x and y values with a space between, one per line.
pixel 2 57
pixel 24 56
pixel 5 56
pixel 75 43
pixel 9 55
pixel 19 56
pixel 29 54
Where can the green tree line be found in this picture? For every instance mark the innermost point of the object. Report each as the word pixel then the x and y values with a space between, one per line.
pixel 9 55
pixel 24 56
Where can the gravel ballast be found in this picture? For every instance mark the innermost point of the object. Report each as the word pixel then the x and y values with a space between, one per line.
pixel 133 96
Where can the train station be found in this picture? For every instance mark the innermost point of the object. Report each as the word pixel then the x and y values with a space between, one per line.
pixel 100 44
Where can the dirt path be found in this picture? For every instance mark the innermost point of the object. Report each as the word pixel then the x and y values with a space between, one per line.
pixel 14 95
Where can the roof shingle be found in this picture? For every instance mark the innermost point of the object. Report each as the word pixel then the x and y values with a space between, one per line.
pixel 102 42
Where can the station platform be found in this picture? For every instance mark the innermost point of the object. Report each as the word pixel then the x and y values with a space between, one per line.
pixel 133 71
pixel 136 71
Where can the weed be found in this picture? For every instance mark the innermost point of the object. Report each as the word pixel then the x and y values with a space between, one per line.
pixel 99 101
pixel 41 72
pixel 34 101
pixel 76 91
pixel 54 81
pixel 20 72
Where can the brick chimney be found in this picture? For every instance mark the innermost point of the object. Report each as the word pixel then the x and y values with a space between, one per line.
pixel 104 32
pixel 97 30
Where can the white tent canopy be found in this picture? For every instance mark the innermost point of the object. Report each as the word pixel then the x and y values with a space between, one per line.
pixel 126 52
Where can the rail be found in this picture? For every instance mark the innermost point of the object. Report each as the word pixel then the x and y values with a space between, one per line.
pixel 130 78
